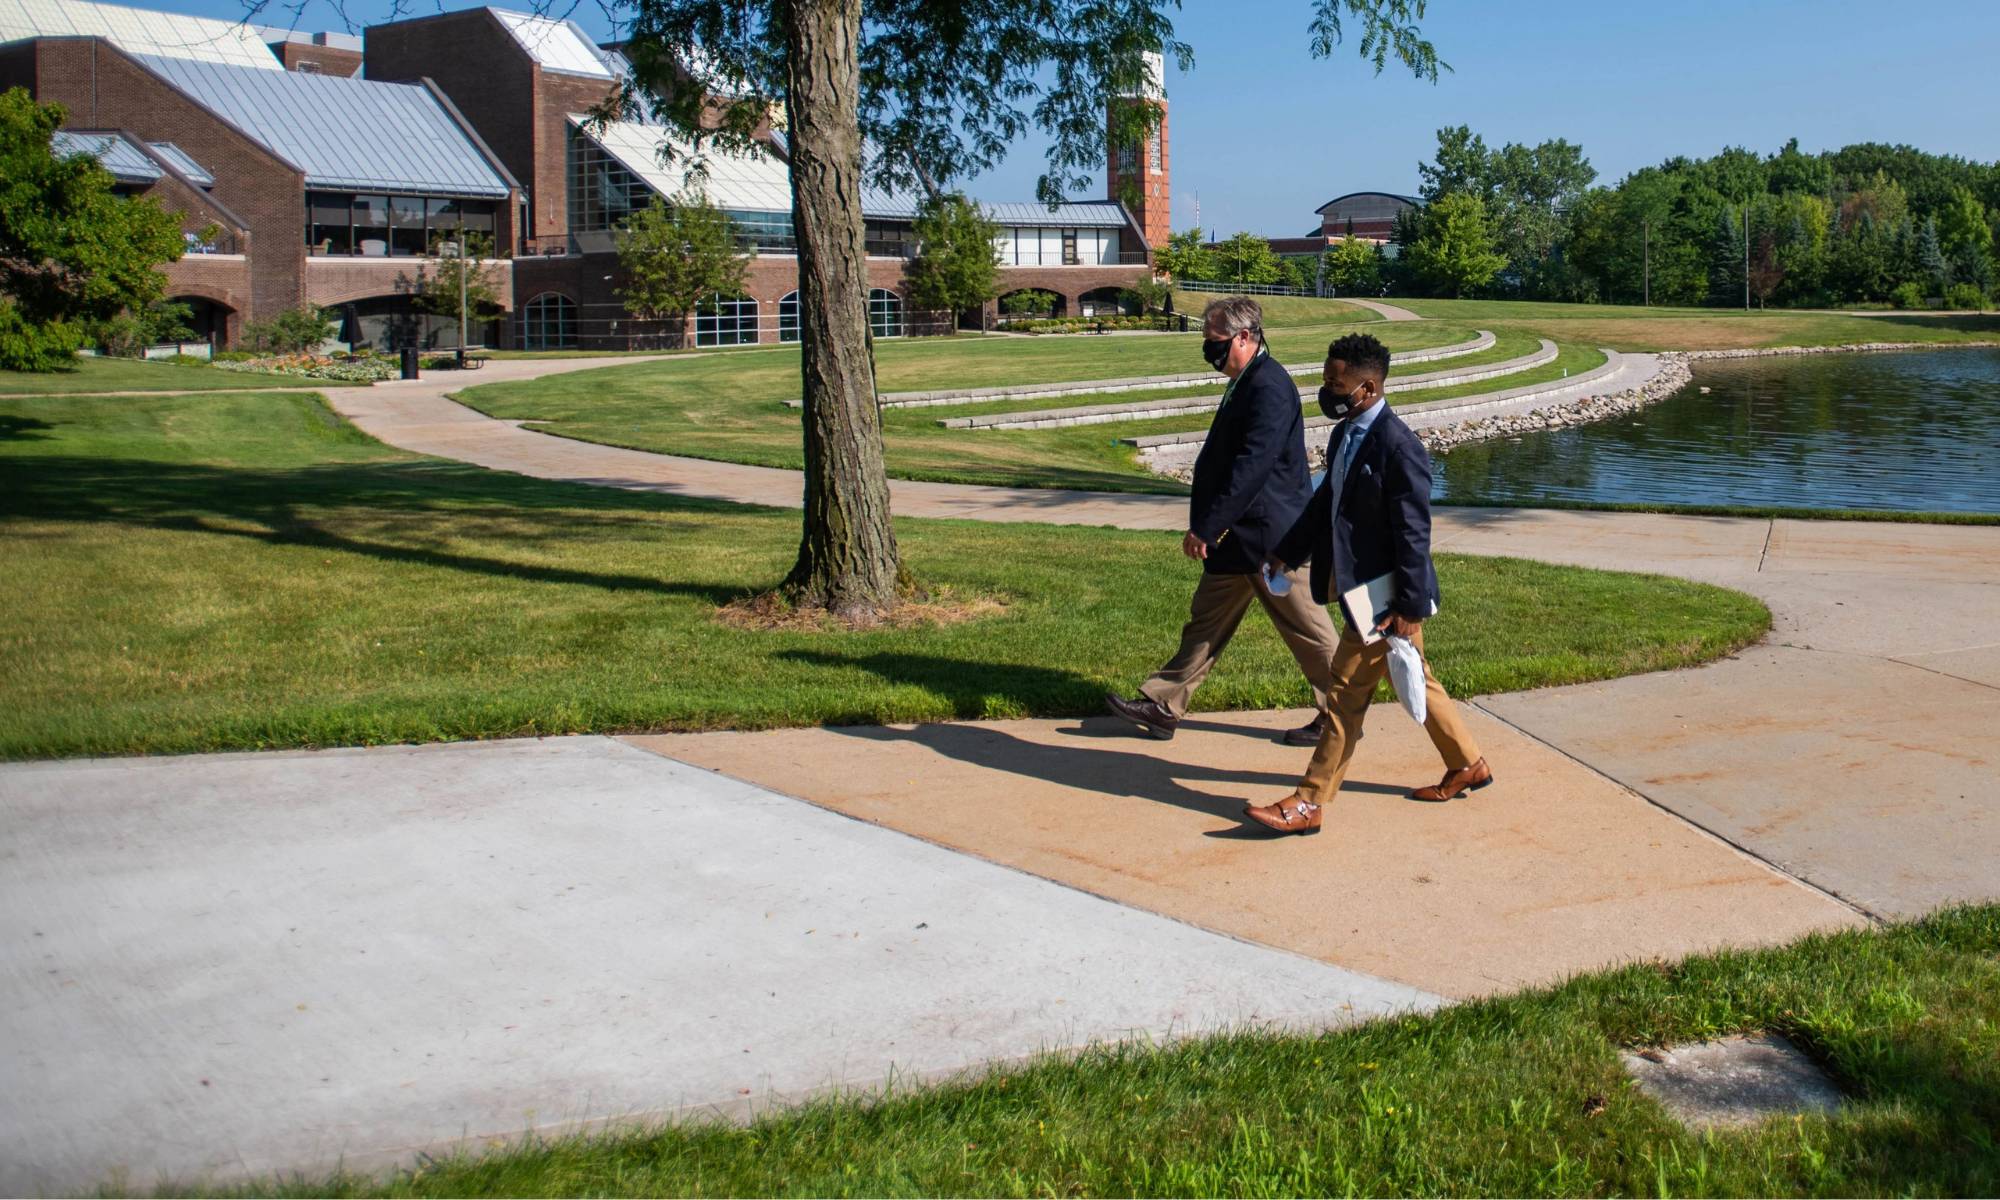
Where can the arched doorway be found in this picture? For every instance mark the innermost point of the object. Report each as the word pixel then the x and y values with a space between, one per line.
pixel 208 320
pixel 1030 304
pixel 548 322
pixel 1106 302
pixel 885 313
pixel 788 317
pixel 725 321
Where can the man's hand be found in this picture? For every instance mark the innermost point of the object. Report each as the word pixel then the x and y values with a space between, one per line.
pixel 1193 546
pixel 1398 625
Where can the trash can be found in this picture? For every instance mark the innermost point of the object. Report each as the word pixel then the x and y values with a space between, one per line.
pixel 409 362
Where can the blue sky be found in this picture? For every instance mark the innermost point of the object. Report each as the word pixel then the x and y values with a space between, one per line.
pixel 1264 134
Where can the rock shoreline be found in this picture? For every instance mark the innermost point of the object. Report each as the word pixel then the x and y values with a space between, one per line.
pixel 1676 372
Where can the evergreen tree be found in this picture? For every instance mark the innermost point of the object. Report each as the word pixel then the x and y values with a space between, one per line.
pixel 1725 261
pixel 1933 268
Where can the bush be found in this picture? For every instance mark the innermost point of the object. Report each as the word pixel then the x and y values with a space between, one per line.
pixel 1907 295
pixel 1964 295
pixel 122 336
pixel 298 331
pixel 1031 300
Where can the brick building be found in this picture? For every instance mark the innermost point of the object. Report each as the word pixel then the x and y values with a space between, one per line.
pixel 304 182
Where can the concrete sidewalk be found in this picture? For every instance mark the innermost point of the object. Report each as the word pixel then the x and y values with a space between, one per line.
pixel 1854 749
pixel 228 965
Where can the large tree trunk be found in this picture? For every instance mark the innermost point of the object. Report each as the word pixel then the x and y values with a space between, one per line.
pixel 847 557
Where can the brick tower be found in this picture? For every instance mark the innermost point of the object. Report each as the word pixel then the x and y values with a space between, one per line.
pixel 1144 170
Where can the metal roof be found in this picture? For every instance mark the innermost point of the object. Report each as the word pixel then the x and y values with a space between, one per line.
pixel 1078 214
pixel 754 182
pixel 139 31
pixel 1416 200
pixel 356 134
pixel 126 162
pixel 183 163
pixel 761 182
pixel 558 45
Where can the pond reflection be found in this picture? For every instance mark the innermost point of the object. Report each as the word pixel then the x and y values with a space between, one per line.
pixel 1909 431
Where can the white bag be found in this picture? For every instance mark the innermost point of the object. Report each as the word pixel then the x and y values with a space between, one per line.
pixel 1406 675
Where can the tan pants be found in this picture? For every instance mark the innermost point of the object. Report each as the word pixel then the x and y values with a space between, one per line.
pixel 1217 609
pixel 1359 668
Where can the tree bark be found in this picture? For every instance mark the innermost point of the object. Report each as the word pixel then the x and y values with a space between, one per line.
pixel 848 561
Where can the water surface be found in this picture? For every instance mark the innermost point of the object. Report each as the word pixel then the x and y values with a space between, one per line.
pixel 1913 431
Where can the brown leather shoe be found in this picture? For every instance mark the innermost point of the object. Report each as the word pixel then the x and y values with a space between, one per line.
pixel 1290 815
pixel 1154 721
pixel 1455 783
pixel 1307 734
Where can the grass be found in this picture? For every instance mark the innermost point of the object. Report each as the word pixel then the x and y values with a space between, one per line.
pixel 1522 1095
pixel 243 570
pixel 1633 328
pixel 139 375
pixel 732 407
pixel 1283 311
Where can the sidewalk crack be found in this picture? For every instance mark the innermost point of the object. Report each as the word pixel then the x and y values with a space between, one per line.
pixel 1866 914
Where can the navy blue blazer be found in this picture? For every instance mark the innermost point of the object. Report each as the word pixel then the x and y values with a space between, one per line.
pixel 1380 525
pixel 1250 480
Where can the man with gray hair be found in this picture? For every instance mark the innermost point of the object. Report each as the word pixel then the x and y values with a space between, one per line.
pixel 1250 484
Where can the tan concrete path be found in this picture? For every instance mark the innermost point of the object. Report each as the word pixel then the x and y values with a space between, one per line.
pixel 1854 749
pixel 1390 312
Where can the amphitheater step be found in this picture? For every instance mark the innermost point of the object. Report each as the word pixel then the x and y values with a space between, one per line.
pixel 1437 411
pixel 1144 410
pixel 1087 387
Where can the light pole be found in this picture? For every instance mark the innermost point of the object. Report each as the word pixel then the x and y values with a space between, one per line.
pixel 457 249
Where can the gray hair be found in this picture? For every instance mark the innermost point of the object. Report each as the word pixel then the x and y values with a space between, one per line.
pixel 1234 314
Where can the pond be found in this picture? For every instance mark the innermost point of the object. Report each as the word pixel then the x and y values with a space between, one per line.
pixel 1911 431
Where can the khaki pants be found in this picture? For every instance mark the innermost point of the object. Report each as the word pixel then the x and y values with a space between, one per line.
pixel 1217 609
pixel 1359 668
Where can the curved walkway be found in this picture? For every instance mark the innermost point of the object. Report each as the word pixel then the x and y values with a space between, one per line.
pixel 1878 797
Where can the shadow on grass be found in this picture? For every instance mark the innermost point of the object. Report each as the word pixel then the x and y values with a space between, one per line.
pixel 22 429
pixel 278 507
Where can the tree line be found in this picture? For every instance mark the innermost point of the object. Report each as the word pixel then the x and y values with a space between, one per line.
pixel 1864 224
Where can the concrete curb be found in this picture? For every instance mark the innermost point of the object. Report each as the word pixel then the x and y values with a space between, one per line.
pixel 954 396
pixel 1140 410
pixel 1483 400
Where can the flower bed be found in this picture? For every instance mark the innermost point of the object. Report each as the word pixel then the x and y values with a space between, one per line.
pixel 357 369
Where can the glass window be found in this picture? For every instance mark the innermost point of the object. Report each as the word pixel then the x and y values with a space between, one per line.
pixel 548 322
pixel 330 223
pixel 885 313
pixel 602 193
pixel 1069 247
pixel 406 225
pixel 1153 149
pixel 788 317
pixel 762 230
pixel 476 215
pixel 889 239
pixel 725 321
pixel 371 225
pixel 1128 158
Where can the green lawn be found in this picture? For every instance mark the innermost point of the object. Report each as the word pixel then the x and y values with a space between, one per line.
pixel 1282 311
pixel 1518 1096
pixel 731 407
pixel 1623 327
pixel 138 375
pixel 245 570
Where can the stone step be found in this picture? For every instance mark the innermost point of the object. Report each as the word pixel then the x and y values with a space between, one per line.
pixel 1431 412
pixel 1087 387
pixel 1143 410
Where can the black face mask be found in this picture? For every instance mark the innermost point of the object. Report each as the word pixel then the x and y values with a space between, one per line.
pixel 1337 406
pixel 1215 352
